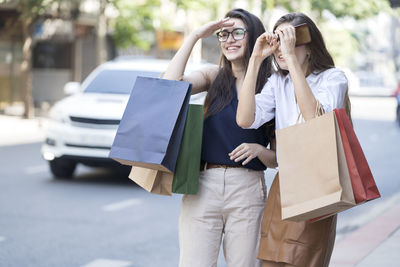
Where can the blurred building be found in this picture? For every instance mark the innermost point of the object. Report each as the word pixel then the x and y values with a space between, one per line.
pixel 63 49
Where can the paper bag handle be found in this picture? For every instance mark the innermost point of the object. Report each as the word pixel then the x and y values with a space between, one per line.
pixel 319 111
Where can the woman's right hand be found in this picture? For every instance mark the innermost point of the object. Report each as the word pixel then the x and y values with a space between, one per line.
pixel 209 28
pixel 265 46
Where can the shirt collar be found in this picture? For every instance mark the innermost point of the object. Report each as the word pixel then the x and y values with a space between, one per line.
pixel 310 78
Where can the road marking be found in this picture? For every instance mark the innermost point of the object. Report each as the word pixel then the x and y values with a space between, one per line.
pixel 2 238
pixel 107 263
pixel 37 169
pixel 122 204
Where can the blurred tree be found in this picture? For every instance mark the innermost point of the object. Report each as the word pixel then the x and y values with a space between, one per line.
pixel 138 20
pixel 101 42
pixel 30 12
pixel 134 23
pixel 340 8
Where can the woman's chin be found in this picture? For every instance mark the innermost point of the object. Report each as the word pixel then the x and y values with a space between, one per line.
pixel 283 66
pixel 233 57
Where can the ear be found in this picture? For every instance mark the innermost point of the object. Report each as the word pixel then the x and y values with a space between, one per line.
pixel 308 51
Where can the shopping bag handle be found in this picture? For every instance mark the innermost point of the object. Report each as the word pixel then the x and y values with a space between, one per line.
pixel 319 111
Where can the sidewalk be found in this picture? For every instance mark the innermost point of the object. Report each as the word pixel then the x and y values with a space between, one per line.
pixel 15 130
pixel 375 244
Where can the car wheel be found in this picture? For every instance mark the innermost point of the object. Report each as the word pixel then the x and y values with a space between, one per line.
pixel 62 168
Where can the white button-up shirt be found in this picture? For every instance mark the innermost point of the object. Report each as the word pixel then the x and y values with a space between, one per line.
pixel 277 99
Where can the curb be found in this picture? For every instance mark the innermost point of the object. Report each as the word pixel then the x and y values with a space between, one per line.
pixel 352 249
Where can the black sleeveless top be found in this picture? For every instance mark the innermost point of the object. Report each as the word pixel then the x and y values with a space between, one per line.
pixel 221 135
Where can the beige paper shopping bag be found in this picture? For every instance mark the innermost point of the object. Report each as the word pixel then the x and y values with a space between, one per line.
pixel 313 173
pixel 153 181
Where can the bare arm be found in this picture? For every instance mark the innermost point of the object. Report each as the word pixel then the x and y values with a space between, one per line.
pixel 200 79
pixel 304 96
pixel 247 104
pixel 264 47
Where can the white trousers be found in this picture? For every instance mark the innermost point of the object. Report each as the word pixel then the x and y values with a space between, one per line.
pixel 229 204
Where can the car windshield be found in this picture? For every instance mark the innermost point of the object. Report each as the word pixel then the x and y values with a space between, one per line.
pixel 116 81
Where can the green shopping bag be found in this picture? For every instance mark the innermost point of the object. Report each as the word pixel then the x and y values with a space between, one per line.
pixel 187 169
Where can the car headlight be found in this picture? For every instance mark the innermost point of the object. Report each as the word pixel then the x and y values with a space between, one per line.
pixel 58 116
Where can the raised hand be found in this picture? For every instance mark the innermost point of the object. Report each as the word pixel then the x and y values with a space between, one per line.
pixel 209 28
pixel 266 44
pixel 287 40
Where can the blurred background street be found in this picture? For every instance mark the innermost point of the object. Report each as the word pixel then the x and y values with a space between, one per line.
pixel 101 218
pixel 66 71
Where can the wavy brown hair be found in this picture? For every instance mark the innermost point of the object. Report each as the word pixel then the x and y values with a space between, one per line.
pixel 220 91
pixel 319 59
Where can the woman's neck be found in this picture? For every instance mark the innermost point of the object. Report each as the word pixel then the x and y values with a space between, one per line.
pixel 238 71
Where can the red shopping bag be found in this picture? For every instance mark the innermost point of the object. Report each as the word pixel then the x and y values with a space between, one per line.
pixel 362 181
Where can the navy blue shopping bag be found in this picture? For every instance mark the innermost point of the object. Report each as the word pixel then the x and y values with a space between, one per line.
pixel 151 129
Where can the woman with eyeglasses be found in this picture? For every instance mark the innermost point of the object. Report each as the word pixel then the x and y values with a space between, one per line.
pixel 231 196
pixel 306 77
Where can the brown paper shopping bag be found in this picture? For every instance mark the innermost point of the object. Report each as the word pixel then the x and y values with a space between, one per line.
pixel 313 174
pixel 154 181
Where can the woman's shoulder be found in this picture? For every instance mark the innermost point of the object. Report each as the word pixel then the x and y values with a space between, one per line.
pixel 275 77
pixel 210 71
pixel 333 73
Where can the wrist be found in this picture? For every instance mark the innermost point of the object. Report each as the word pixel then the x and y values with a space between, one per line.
pixel 194 36
pixel 256 61
pixel 289 56
pixel 290 59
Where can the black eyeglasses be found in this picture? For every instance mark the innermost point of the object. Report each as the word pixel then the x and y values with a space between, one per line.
pixel 237 34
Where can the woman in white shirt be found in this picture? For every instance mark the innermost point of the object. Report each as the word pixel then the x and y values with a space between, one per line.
pixel 306 75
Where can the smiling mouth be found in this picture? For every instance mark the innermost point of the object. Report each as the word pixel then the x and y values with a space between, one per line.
pixel 233 48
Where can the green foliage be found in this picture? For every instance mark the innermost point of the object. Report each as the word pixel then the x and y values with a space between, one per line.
pixel 358 9
pixel 289 5
pixel 192 4
pixel 134 23
pixel 341 44
pixel 32 9
pixel 351 8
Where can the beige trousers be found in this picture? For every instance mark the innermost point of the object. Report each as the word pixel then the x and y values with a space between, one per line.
pixel 229 205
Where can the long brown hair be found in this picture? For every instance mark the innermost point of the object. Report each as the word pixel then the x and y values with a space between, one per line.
pixel 220 91
pixel 320 59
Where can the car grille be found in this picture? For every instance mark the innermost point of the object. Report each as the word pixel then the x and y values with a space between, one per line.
pixel 94 123
pixel 84 146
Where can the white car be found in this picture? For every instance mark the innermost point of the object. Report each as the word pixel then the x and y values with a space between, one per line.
pixel 82 126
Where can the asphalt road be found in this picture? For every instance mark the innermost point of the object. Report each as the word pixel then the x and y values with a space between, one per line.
pixel 100 219
pixel 97 218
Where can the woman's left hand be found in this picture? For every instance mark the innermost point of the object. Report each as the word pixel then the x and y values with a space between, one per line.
pixel 265 45
pixel 287 40
pixel 246 151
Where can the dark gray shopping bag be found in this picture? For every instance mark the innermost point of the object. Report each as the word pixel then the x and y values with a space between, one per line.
pixel 150 132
